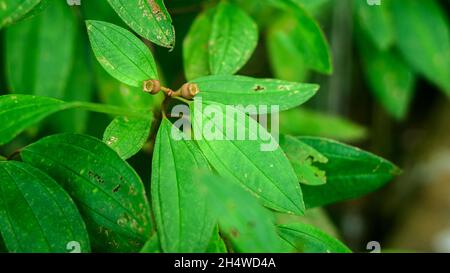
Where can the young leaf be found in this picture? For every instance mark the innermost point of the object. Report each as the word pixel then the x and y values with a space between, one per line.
pixel 246 91
pixel 303 159
pixel 13 10
pixel 183 221
pixel 351 173
pixel 42 69
pixel 423 39
pixel 121 53
pixel 311 123
pixel 309 39
pixel 36 214
pixel 127 136
pixel 234 37
pixel 376 21
pixel 267 174
pixel 108 192
pixel 195 46
pixel 149 18
pixel 242 219
pixel 17 112
pixel 391 80
pixel 308 239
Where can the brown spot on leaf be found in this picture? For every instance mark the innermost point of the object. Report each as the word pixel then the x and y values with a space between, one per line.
pixel 234 232
pixel 96 177
pixel 259 88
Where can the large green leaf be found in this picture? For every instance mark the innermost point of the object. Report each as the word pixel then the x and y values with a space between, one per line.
pixel 376 21
pixel 391 80
pixel 121 53
pixel 303 159
pixel 195 46
pixel 423 38
pixel 13 10
pixel 308 38
pixel 17 112
pixel 127 136
pixel 233 39
pixel 43 68
pixel 239 148
pixel 350 172
pixel 108 192
pixel 242 219
pixel 286 61
pixel 308 239
pixel 149 18
pixel 36 214
pixel 311 123
pixel 246 91
pixel 183 220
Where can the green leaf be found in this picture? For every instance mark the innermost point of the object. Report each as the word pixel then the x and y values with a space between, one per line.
pixel 287 62
pixel 127 136
pixel 233 39
pixel 195 46
pixel 183 221
pixel 391 80
pixel 242 219
pixel 303 159
pixel 216 244
pixel 351 173
pixel 308 239
pixel 36 214
pixel 149 18
pixel 152 245
pixel 19 112
pixel 423 39
pixel 376 21
pixel 13 10
pixel 108 192
pixel 309 39
pixel 121 53
pixel 246 91
pixel 267 174
pixel 312 123
pixel 42 69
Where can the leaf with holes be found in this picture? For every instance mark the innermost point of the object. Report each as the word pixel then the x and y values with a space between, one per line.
pixel 183 220
pixel 36 214
pixel 257 162
pixel 149 18
pixel 108 192
pixel 304 159
pixel 121 53
pixel 350 172
pixel 228 51
pixel 246 91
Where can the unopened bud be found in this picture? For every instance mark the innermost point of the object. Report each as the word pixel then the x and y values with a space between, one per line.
pixel 152 86
pixel 189 90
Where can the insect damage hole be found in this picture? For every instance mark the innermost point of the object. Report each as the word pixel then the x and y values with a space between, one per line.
pixel 258 88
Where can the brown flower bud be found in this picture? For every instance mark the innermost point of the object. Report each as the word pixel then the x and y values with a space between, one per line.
pixel 152 86
pixel 189 90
